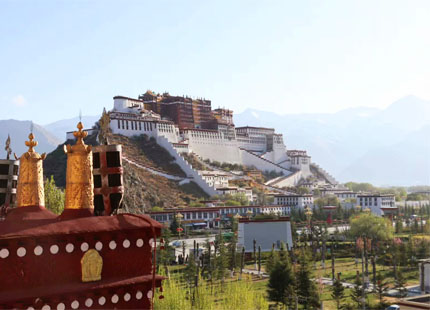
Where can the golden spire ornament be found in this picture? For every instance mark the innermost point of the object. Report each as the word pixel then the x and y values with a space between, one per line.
pixel 79 175
pixel 30 189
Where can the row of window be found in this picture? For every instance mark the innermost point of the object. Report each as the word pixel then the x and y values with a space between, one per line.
pixel 134 125
pixel 213 215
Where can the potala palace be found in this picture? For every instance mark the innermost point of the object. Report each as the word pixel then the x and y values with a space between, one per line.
pixel 185 125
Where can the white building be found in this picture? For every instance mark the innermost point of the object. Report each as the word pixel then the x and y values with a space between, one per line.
pixel 233 190
pixel 209 217
pixel 379 204
pixel 424 269
pixel 265 232
pixel 257 147
pixel 345 195
pixel 215 179
pixel 298 201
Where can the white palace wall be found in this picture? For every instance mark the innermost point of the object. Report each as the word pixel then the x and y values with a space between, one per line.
pixel 212 146
pixel 186 167
pixel 250 159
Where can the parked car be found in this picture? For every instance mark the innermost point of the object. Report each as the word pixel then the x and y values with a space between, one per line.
pixel 393 307
pixel 176 243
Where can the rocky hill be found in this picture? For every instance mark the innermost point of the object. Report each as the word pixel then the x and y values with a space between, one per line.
pixel 143 188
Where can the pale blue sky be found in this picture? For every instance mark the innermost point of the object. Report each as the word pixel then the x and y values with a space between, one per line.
pixel 57 57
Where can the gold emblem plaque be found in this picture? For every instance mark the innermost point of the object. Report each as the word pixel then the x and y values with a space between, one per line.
pixel 92 265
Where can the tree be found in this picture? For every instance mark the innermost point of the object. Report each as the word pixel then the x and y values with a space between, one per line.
pixel 271 260
pixel 358 292
pixel 207 269
pixel 104 127
pixel 400 284
pixel 190 270
pixel 232 251
pixel 54 196
pixel 221 260
pixel 372 226
pixel 337 292
pixel 330 200
pixel 281 283
pixel 174 225
pixel 399 226
pixel 306 289
pixel 381 288
pixel 302 190
pixel 166 255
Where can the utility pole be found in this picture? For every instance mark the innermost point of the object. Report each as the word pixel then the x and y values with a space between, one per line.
pixel 363 302
pixel 242 262
pixel 332 260
pixel 255 253
pixel 259 260
pixel 197 259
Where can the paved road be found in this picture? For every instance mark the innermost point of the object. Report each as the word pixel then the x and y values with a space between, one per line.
pixel 330 230
pixel 189 244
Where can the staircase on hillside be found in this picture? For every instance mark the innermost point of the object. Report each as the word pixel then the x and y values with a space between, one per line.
pixel 320 171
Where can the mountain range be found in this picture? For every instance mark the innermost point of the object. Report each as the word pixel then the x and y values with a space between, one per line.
pixel 384 147
pixel 19 131
pixel 388 146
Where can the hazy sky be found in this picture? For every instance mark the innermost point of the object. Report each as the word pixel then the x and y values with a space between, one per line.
pixel 57 57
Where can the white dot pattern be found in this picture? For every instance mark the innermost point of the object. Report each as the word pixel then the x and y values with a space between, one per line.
pixel 21 252
pixel 4 253
pixel 54 249
pixel 112 245
pixel 75 304
pixel 102 301
pixel 88 302
pixel 70 247
pixel 139 295
pixel 84 247
pixel 99 246
pixel 38 250
pixel 115 298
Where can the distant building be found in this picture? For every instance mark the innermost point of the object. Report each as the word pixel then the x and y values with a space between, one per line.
pixel 183 111
pixel 8 182
pixel 215 179
pixel 424 269
pixel 185 125
pixel 231 190
pixel 344 195
pixel 298 201
pixel 265 232
pixel 335 191
pixel 379 204
pixel 209 217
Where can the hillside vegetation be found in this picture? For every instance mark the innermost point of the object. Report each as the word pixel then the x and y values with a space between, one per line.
pixel 143 189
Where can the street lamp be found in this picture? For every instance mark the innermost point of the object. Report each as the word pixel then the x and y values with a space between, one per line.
pixel 179 218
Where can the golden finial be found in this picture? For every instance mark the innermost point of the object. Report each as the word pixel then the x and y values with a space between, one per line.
pixel 31 144
pixel 80 135
pixel 30 189
pixel 79 174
